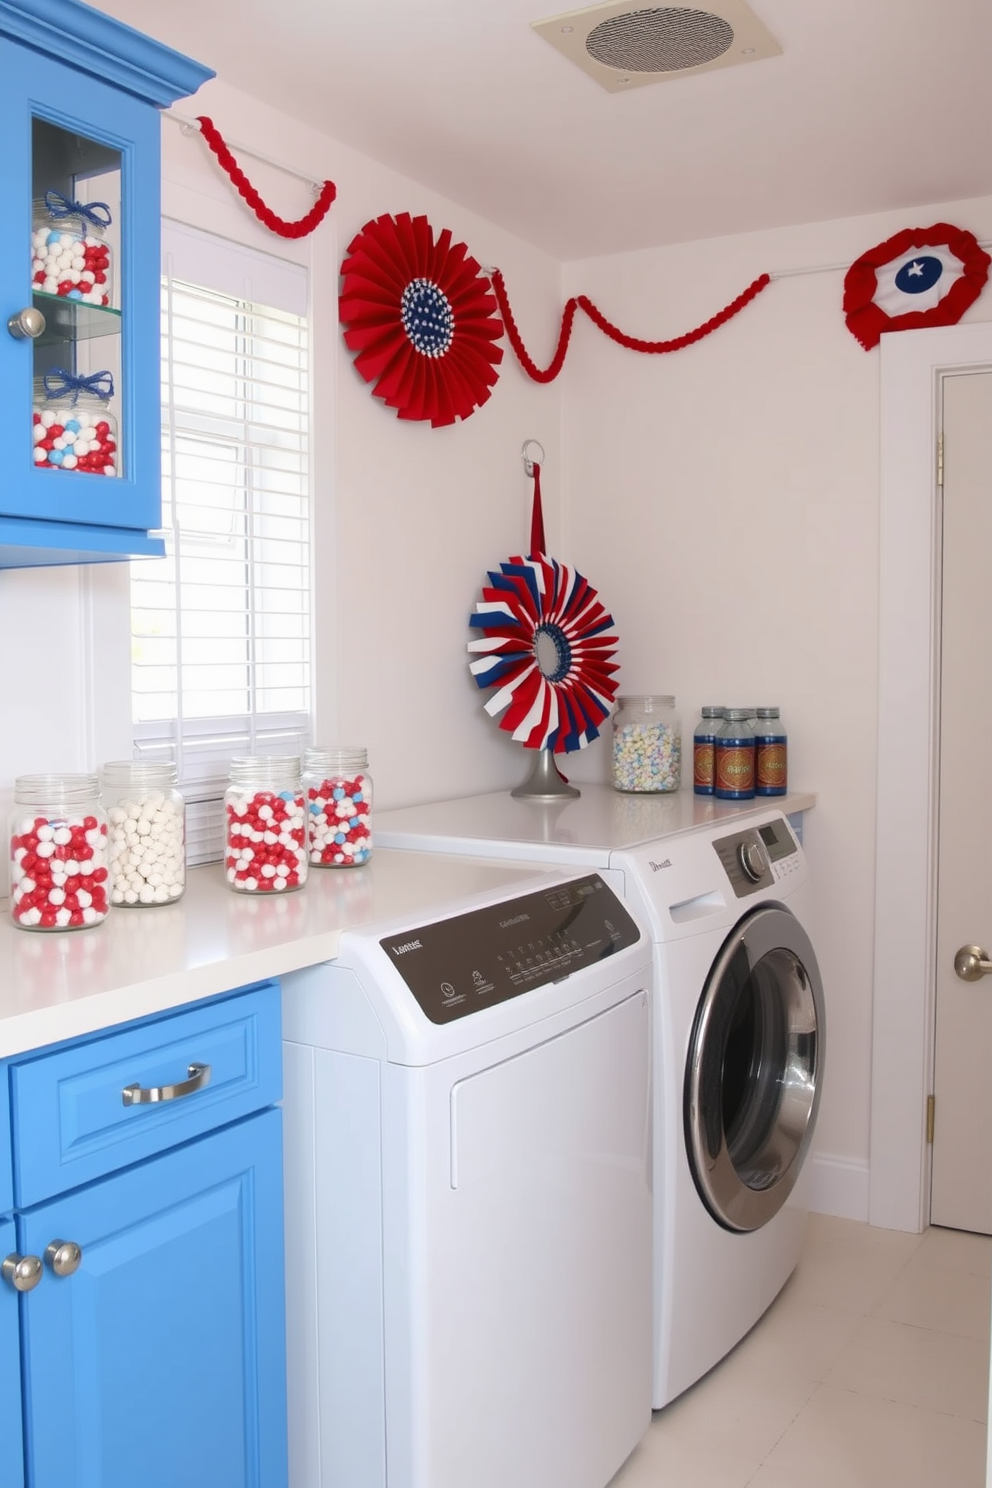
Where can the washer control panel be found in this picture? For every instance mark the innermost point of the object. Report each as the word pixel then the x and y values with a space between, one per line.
pixel 462 965
pixel 758 857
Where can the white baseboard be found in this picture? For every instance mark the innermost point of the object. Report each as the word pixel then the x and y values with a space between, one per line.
pixel 839 1185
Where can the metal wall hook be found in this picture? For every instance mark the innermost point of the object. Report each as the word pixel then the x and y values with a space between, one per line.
pixel 528 462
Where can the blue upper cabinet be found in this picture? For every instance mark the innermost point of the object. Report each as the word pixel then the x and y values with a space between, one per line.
pixel 80 480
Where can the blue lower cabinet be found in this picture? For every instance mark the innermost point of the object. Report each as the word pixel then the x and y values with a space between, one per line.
pixel 11 1447
pixel 160 1360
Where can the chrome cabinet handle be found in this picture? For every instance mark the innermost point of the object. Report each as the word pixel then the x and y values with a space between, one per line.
pixel 63 1256
pixel 972 963
pixel 27 325
pixel 199 1076
pixel 23 1272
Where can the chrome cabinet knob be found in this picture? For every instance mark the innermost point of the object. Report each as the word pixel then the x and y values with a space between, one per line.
pixel 27 325
pixel 972 963
pixel 63 1256
pixel 23 1272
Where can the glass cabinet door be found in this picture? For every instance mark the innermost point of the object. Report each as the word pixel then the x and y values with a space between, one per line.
pixel 79 271
pixel 75 253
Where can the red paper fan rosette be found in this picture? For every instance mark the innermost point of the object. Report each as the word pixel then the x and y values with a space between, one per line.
pixel 923 276
pixel 419 315
pixel 530 598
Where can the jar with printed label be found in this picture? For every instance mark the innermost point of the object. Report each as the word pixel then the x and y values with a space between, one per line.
pixel 265 816
pixel 771 754
pixel 147 833
pixel 647 744
pixel 58 853
pixel 733 757
pixel 338 789
pixel 703 746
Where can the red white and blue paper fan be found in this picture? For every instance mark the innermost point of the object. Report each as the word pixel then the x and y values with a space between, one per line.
pixel 924 276
pixel 539 597
pixel 419 313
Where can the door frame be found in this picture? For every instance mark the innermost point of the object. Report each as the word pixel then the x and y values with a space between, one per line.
pixel 912 366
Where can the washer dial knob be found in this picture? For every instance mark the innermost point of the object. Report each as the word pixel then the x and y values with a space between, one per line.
pixel 752 860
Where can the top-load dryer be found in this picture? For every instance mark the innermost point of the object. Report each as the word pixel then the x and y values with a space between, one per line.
pixel 738 1032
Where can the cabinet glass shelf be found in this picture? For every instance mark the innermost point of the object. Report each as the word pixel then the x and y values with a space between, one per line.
pixel 71 320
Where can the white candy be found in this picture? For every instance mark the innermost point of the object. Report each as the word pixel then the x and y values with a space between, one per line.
pixel 144 834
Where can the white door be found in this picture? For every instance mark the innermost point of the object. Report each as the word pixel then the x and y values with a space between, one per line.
pixel 961 1186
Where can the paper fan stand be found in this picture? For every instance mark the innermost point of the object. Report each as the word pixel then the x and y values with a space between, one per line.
pixel 546 644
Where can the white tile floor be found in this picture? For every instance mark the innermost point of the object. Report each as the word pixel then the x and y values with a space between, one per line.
pixel 869 1371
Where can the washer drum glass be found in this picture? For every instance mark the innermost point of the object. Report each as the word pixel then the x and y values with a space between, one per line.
pixel 754 1069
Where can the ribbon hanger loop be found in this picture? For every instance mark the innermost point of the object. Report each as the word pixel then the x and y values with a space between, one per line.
pixel 528 462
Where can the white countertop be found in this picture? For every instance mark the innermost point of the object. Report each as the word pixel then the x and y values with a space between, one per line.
pixel 56 986
pixel 571 831
pixel 140 961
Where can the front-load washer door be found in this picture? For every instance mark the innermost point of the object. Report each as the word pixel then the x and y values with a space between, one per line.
pixel 754 1069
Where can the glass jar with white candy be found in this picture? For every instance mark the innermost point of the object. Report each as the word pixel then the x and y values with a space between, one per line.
pixel 147 833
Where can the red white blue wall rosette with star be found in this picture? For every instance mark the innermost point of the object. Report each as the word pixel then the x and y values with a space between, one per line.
pixel 921 277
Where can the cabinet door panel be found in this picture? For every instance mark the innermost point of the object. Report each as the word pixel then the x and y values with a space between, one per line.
pixel 40 87
pixel 11 1446
pixel 161 1361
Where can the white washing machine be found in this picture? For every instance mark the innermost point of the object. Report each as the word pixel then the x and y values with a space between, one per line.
pixel 468 1175
pixel 738 1032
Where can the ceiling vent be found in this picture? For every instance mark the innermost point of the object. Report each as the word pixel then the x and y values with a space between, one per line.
pixel 624 45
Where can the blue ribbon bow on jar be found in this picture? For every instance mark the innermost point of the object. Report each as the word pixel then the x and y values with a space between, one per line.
pixel 59 384
pixel 98 213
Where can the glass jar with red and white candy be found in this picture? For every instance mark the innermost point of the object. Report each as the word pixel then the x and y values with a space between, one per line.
pixel 265 825
pixel 339 797
pixel 58 853
pixel 70 254
pixel 73 427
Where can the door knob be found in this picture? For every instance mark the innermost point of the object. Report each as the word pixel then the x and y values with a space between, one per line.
pixel 27 325
pixel 63 1256
pixel 23 1272
pixel 972 963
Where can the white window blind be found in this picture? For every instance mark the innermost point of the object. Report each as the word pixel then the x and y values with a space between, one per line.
pixel 221 626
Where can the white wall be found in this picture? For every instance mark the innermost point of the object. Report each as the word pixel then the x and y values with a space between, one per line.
pixel 725 501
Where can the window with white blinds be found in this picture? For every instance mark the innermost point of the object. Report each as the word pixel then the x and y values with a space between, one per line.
pixel 220 627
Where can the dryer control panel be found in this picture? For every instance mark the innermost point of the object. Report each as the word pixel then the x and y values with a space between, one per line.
pixel 758 857
pixel 460 966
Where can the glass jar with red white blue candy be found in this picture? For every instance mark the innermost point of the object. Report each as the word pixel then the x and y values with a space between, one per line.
pixel 73 426
pixel 70 255
pixel 265 825
pixel 58 853
pixel 339 798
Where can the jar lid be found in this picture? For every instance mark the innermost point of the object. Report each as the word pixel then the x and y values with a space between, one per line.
pixel 647 700
pixel 341 757
pixel 140 773
pixel 768 713
pixel 266 769
pixel 709 712
pixel 56 790
pixel 737 715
